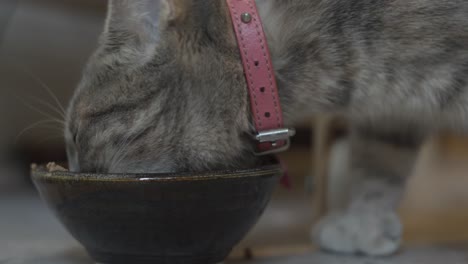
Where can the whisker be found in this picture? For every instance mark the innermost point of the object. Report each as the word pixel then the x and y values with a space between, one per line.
pixel 123 147
pixel 50 106
pixel 56 129
pixel 48 139
pixel 131 141
pixel 44 86
pixel 33 126
pixel 45 114
pixel 100 158
pixel 113 160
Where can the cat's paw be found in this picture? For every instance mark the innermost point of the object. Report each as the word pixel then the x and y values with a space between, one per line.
pixel 373 233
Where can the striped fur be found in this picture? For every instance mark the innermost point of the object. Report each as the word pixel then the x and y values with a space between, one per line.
pixel 165 90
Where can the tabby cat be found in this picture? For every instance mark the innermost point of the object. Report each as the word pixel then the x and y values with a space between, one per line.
pixel 165 92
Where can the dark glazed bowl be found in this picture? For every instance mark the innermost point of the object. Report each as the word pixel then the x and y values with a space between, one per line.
pixel 156 218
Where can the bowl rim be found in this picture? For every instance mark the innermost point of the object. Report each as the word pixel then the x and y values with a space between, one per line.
pixel 40 173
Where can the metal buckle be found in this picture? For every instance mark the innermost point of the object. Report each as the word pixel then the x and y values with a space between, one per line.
pixel 273 136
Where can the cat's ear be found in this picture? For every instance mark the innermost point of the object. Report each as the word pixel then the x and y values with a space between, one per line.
pixel 144 19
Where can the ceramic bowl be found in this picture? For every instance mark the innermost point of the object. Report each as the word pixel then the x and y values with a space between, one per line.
pixel 158 218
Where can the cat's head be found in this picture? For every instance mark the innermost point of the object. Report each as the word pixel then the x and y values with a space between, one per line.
pixel 165 91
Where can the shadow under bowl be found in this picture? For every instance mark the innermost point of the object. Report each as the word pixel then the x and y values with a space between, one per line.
pixel 158 218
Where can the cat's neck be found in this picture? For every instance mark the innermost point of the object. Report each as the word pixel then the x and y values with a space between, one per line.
pixel 292 29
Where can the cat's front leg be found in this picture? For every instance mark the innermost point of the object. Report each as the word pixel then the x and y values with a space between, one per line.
pixel 379 165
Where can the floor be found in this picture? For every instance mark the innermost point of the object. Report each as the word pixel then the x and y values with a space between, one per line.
pixel 413 256
pixel 31 235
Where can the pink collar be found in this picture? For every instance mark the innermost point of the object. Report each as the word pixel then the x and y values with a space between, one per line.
pixel 270 133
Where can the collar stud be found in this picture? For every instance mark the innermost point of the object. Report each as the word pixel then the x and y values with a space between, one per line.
pixel 246 17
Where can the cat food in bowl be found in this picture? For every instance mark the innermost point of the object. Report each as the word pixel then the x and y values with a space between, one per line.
pixel 191 218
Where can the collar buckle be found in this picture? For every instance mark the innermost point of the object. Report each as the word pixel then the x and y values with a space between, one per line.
pixel 274 137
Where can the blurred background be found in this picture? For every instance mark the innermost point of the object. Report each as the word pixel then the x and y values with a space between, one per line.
pixel 44 45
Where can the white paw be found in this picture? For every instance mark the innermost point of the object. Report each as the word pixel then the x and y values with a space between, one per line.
pixel 372 232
